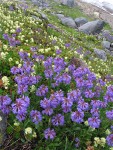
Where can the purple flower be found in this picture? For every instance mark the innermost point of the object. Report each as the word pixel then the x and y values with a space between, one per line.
pixel 48 62
pixel 67 45
pixel 11 8
pixel 108 98
pixel 48 111
pixel 95 112
pixel 74 95
pixel 5 102
pixel 77 116
pixel 79 82
pixel 36 116
pixel 83 105
pixel 59 64
pixel 66 78
pixel 111 128
pixel 17 42
pixel 5 36
pixel 22 89
pixel 18 30
pixel 80 72
pixel 21 116
pixel 109 140
pixel 66 102
pixel 45 103
pixel 109 114
pixel 42 90
pixel 58 51
pixel 71 68
pixel 48 73
pixel 95 103
pixel 77 142
pixel 24 56
pixel 20 106
pixel 54 100
pixel 88 84
pixel 15 70
pixel 14 35
pixel 66 109
pixel 94 122
pixel 89 94
pixel 110 90
pixel 58 120
pixel 33 48
pixel 49 134
pixel 101 82
pixel 12 41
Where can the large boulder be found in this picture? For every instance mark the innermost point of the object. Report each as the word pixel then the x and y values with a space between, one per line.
pixel 68 21
pixel 80 21
pixel 100 54
pixel 92 27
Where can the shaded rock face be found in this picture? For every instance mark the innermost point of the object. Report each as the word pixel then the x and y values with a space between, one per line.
pixel 80 21
pixel 92 27
pixel 70 3
pixel 100 54
pixel 3 126
pixel 68 22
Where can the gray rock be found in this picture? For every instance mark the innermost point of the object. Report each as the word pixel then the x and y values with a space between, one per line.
pixel 106 44
pixel 92 27
pixel 3 126
pixel 41 3
pixel 101 54
pixel 68 21
pixel 44 16
pixel 60 16
pixel 105 32
pixel 111 49
pixel 80 21
pixel 70 3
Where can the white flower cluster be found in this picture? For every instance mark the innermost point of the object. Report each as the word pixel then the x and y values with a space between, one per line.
pixel 29 131
pixel 5 81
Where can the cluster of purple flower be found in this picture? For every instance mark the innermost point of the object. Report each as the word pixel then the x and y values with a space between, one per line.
pixel 5 102
pixel 12 40
pixel 84 97
pixel 20 107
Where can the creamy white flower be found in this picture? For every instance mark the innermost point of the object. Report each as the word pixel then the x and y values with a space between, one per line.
pixel 107 131
pixel 28 130
pixel 16 124
pixel 34 134
pixel 10 59
pixel 5 81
